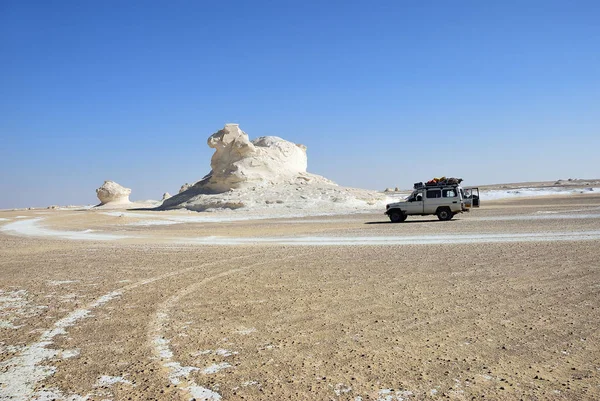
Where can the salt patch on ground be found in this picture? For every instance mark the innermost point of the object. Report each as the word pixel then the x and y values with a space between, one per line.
pixel 540 216
pixel 5 349
pixel 15 305
pixel 61 282
pixel 5 324
pixel 176 371
pixel 203 394
pixel 406 240
pixel 3 219
pixel 319 221
pixel 31 228
pixel 19 375
pixel 54 394
pixel 533 192
pixel 220 217
pixel 219 352
pixel 111 380
pixel 162 347
pixel 215 368
pixel 245 331
pixel 224 352
pixel 391 395
pixel 341 388
pixel 69 353
pixel 153 223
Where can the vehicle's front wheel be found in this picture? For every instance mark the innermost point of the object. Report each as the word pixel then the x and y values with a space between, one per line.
pixel 397 216
pixel 444 214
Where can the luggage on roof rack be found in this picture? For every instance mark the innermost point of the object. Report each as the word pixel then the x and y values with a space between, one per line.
pixel 443 181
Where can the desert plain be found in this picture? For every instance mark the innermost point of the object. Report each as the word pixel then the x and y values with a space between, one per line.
pixel 502 303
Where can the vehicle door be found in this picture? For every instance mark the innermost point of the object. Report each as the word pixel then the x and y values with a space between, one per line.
pixel 433 199
pixel 451 198
pixel 471 197
pixel 415 202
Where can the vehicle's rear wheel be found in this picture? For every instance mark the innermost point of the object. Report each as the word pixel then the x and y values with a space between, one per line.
pixel 444 214
pixel 396 216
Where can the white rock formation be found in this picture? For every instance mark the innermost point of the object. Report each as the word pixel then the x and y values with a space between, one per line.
pixel 184 187
pixel 266 173
pixel 239 162
pixel 166 196
pixel 111 192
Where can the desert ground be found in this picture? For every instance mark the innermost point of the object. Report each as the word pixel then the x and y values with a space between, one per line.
pixel 501 303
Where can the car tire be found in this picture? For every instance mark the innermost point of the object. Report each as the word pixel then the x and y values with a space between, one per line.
pixel 397 216
pixel 445 214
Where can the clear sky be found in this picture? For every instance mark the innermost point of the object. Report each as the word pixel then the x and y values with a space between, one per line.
pixel 383 93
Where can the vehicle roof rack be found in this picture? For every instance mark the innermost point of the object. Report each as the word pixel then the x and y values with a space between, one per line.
pixel 439 184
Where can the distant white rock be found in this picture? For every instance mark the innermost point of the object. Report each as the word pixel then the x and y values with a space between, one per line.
pixel 111 192
pixel 166 196
pixel 184 187
pixel 267 172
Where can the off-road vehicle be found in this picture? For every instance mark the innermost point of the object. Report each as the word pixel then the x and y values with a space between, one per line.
pixel 442 199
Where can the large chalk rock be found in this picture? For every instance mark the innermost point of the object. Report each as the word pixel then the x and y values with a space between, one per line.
pixel 111 192
pixel 268 173
pixel 239 162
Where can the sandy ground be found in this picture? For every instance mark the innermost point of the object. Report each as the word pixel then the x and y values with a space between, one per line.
pixel 502 303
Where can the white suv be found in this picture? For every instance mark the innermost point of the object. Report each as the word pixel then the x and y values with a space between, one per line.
pixel 443 200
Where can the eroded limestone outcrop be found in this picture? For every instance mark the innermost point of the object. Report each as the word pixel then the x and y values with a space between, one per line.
pixel 111 192
pixel 267 172
pixel 239 162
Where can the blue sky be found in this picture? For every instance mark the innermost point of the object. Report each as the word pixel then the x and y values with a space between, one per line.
pixel 382 93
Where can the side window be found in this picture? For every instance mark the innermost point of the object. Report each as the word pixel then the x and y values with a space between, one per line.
pixel 434 193
pixel 449 193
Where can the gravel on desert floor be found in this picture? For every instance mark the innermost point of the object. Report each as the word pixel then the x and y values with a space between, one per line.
pixel 500 303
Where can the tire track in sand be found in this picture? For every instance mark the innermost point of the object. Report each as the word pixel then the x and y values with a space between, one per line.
pixel 177 373
pixel 20 374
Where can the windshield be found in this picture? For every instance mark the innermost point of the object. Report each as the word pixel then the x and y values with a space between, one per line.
pixel 412 196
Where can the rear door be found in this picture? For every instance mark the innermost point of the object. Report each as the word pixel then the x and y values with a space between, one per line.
pixel 471 197
pixel 433 199
pixel 451 198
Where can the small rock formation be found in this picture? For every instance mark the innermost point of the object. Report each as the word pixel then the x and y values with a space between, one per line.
pixel 184 187
pixel 166 196
pixel 111 192
pixel 396 189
